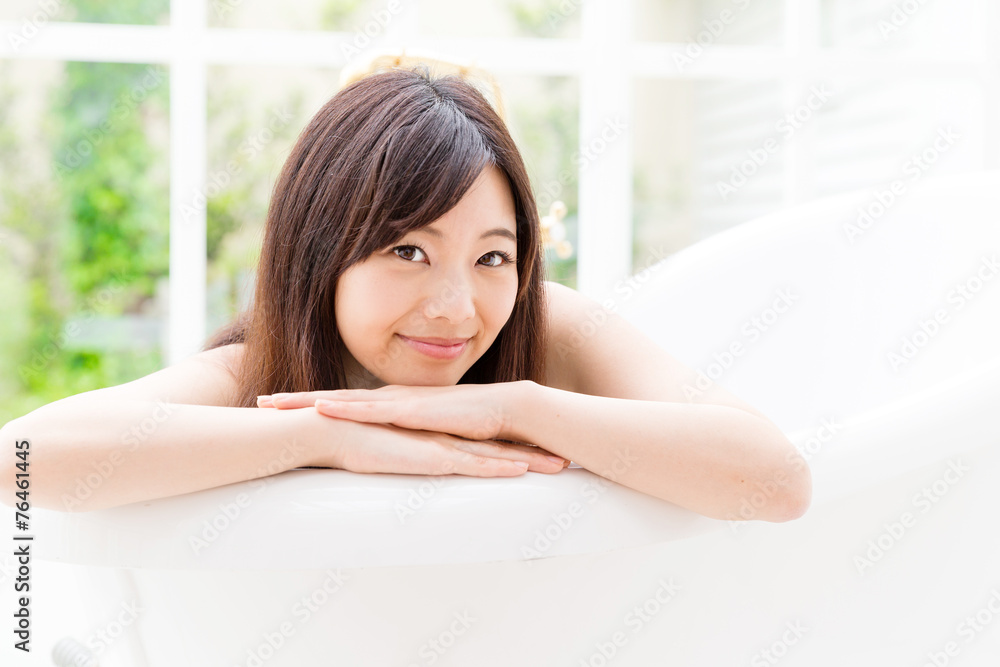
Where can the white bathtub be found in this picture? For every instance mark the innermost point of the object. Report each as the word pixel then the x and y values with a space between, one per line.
pixel 626 579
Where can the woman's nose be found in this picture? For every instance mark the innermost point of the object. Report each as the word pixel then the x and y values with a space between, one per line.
pixel 450 299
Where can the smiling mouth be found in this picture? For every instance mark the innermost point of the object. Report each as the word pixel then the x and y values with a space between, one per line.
pixel 435 350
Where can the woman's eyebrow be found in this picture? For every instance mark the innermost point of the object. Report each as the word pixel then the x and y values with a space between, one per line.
pixel 496 231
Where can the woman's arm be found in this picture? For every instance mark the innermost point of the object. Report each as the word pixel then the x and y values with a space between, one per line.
pixel 89 455
pixel 626 409
pixel 717 460
pixel 164 434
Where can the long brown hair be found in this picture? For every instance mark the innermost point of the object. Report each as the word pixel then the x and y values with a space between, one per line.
pixel 388 154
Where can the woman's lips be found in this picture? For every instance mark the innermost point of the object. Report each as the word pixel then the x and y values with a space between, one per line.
pixel 437 351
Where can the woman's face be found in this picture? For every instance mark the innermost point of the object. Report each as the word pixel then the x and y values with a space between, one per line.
pixel 449 280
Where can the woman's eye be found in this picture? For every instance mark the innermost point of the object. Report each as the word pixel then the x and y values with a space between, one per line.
pixel 501 257
pixel 406 250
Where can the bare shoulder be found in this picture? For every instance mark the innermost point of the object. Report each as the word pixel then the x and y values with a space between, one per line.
pixel 226 357
pixel 217 371
pixel 563 307
pixel 573 321
pixel 204 378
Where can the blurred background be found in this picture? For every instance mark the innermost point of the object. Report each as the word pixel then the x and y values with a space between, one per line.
pixel 139 139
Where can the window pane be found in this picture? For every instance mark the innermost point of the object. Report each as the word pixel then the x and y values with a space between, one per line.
pixel 543 118
pixel 83 214
pixel 501 18
pixel 939 28
pixel 884 128
pixel 255 115
pixel 705 163
pixel 493 18
pixel 706 22
pixel 692 177
pixel 32 15
pixel 366 16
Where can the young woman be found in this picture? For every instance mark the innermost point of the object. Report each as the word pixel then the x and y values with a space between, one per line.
pixel 401 276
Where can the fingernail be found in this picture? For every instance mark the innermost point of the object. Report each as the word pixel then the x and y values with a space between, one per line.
pixel 522 464
pixel 557 459
pixel 278 397
pixel 264 401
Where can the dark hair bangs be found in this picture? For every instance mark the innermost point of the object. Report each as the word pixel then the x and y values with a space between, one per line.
pixel 423 171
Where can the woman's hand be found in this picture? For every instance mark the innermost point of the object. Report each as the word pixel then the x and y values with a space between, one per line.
pixel 473 412
pixel 383 448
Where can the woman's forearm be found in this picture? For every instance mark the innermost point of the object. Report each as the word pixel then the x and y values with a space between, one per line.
pixel 713 459
pixel 93 455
